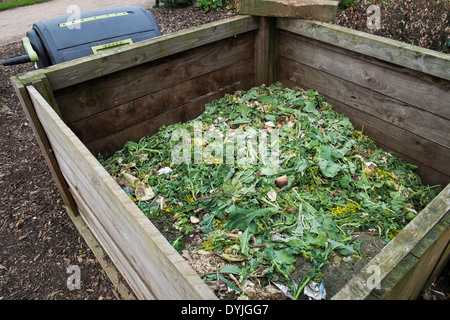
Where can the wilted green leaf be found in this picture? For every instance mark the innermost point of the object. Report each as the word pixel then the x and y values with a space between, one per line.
pixel 241 218
pixel 311 108
pixel 282 256
pixel 244 242
pixel 341 248
pixel 329 168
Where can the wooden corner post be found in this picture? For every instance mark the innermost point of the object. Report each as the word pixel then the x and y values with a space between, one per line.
pixel 42 139
pixel 266 51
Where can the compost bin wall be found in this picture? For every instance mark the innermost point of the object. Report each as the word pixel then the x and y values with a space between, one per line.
pixel 97 103
pixel 397 94
pixel 404 110
pixel 123 95
pixel 124 106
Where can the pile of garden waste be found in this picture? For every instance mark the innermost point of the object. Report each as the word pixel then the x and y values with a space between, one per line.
pixel 268 176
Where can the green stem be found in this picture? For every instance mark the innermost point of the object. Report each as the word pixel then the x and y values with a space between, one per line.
pixel 150 150
pixel 301 288
pixel 297 294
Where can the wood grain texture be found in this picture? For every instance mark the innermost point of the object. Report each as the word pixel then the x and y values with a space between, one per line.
pixel 265 51
pixel 43 142
pixel 396 52
pixel 108 267
pixel 319 10
pixel 403 110
pixel 150 264
pixel 394 112
pixel 94 66
pixel 142 109
pixel 109 144
pixel 427 93
pixel 107 92
pixel 398 249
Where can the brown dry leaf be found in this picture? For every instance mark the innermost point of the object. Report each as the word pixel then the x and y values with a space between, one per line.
pixel 131 180
pixel 143 192
pixel 232 258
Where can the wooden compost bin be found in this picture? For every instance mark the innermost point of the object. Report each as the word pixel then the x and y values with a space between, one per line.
pixel 399 93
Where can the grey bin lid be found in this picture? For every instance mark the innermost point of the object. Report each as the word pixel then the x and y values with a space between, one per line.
pixel 66 38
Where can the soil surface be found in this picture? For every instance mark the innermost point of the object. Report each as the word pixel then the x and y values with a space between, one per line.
pixel 38 241
pixel 424 23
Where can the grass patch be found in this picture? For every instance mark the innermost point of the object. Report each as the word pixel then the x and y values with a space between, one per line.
pixel 18 3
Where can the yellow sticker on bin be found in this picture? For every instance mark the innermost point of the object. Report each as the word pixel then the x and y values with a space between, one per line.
pixel 112 45
pixel 104 16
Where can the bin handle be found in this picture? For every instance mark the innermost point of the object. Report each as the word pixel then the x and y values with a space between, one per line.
pixel 29 50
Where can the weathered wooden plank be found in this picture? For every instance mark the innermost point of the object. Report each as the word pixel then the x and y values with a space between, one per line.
pixel 319 10
pixel 385 127
pixel 108 145
pixel 396 52
pixel 265 51
pixel 43 143
pixel 393 140
pixel 394 280
pixel 406 281
pixel 92 67
pixel 422 153
pixel 113 90
pixel 397 249
pixel 400 114
pixel 43 86
pixel 262 52
pixel 444 259
pixel 152 266
pixel 430 95
pixel 129 114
